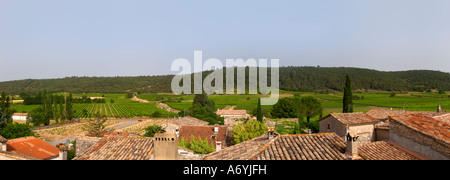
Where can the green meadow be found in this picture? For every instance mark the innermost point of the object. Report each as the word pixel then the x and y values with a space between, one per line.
pixel 331 102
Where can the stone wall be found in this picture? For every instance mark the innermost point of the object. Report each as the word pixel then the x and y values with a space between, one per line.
pixel 382 133
pixel 335 126
pixel 418 142
pixel 83 143
pixel 364 131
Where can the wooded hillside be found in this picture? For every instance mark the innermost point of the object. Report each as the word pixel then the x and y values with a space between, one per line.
pixel 291 79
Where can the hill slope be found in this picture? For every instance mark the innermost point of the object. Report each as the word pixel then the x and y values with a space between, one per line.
pixel 291 79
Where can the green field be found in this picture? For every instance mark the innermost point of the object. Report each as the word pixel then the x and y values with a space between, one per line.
pixel 124 107
pixel 415 101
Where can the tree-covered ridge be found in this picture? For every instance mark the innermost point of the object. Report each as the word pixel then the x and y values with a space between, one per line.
pixel 292 78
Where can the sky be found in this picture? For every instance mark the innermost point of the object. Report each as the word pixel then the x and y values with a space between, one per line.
pixel 56 39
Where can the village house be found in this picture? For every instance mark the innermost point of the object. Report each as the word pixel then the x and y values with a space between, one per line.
pixel 19 116
pixel 174 125
pixel 216 135
pixel 230 116
pixel 342 123
pixel 30 148
pixel 421 134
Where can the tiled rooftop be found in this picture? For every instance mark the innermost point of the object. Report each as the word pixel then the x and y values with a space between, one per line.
pixel 353 118
pixel 285 147
pixel 322 146
pixel 426 125
pixel 32 147
pixel 187 121
pixel 383 114
pixel 119 148
pixel 444 118
pixel 231 112
pixel 203 132
pixel 241 151
pixel 382 150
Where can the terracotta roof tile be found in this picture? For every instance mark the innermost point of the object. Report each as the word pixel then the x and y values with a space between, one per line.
pixel 322 146
pixel 383 114
pixel 203 132
pixel 119 148
pixel 20 114
pixel 32 147
pixel 382 150
pixel 241 151
pixel 231 112
pixel 445 118
pixel 426 125
pixel 326 146
pixel 353 118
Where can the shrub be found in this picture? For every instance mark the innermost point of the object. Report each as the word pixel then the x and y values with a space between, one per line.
pixel 16 130
pixel 152 130
pixel 248 130
pixel 199 146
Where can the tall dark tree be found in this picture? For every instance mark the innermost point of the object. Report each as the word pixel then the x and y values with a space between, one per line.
pixel 259 115
pixel 347 100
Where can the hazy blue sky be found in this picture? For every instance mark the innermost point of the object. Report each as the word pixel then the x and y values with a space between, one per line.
pixel 55 38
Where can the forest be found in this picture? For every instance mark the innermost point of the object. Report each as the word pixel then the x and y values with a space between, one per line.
pixel 292 78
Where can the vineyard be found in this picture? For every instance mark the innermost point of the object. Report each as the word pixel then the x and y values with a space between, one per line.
pixel 139 127
pixel 117 110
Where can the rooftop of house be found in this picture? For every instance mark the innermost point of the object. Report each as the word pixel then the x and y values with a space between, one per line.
pixel 383 150
pixel 321 146
pixel 187 121
pixel 383 114
pixel 242 151
pixel 353 118
pixel 32 147
pixel 231 112
pixel 444 118
pixel 119 148
pixel 203 132
pixel 425 124
pixel 20 114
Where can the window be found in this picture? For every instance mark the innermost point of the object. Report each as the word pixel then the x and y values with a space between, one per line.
pixel 329 126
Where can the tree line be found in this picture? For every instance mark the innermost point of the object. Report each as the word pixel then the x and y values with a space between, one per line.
pixel 292 78
pixel 58 108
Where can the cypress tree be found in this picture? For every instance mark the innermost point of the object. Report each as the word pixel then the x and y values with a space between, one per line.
pixel 259 115
pixel 348 101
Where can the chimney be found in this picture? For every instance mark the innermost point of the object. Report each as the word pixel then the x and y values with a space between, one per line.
pixel 218 146
pixel 352 145
pixel 439 108
pixel 3 144
pixel 270 132
pixel 62 152
pixel 216 129
pixel 165 147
